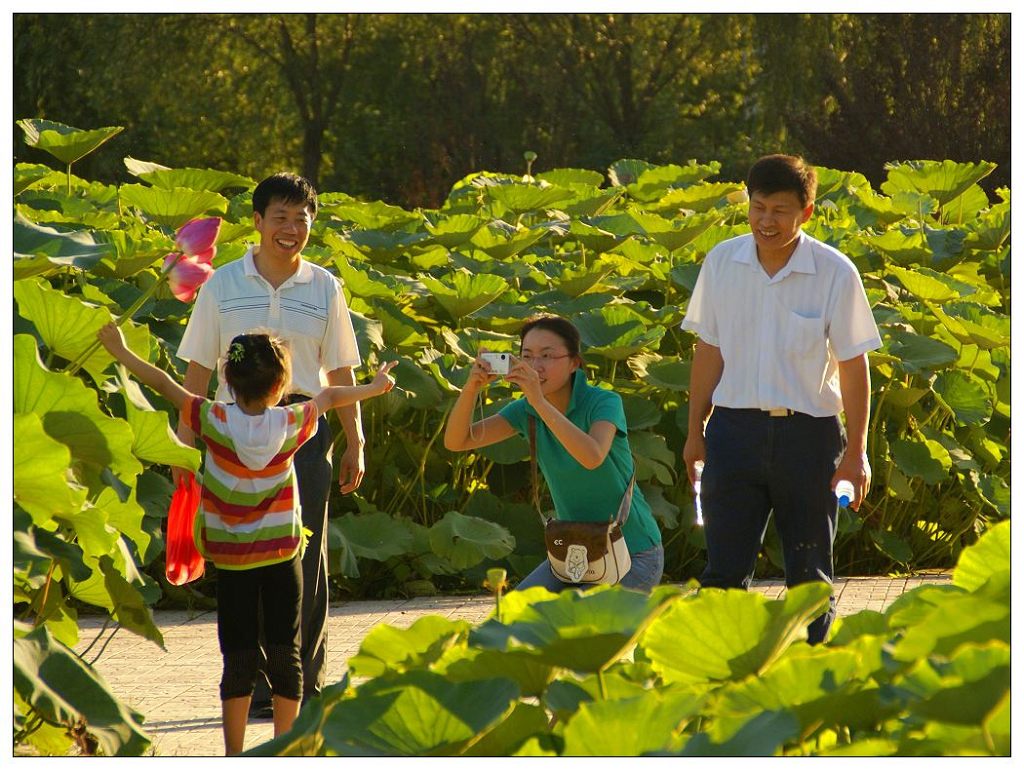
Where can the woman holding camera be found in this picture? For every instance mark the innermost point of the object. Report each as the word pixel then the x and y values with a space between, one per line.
pixel 581 443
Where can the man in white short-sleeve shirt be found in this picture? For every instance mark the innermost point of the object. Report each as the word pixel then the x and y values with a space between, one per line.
pixel 273 288
pixel 783 327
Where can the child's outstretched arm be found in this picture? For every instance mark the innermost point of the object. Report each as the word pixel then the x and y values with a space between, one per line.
pixel 113 340
pixel 343 395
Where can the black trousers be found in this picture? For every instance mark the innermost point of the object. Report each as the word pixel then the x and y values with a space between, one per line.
pixel 254 605
pixel 757 465
pixel 313 473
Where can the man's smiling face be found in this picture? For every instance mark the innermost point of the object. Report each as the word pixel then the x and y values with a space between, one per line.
pixel 775 220
pixel 283 229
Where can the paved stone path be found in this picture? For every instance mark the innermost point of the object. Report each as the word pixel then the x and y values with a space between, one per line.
pixel 177 690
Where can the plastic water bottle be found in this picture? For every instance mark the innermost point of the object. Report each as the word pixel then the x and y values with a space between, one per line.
pixel 698 469
pixel 844 492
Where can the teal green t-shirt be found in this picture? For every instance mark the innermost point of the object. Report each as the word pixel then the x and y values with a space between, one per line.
pixel 589 495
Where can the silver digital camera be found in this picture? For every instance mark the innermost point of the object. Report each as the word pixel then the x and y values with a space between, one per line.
pixel 499 362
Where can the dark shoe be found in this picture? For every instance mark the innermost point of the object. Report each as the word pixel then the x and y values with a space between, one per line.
pixel 258 710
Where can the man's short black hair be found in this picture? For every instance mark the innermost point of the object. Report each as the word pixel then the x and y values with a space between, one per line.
pixel 290 188
pixel 783 173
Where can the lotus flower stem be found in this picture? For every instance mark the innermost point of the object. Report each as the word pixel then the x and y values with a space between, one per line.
pixel 118 320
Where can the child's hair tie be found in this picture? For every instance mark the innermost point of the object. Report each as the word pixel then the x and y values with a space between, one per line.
pixel 236 352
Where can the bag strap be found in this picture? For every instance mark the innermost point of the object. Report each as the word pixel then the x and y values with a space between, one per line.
pixel 534 481
pixel 627 498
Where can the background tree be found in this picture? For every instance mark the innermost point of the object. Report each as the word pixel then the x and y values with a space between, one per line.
pixel 858 90
pixel 400 106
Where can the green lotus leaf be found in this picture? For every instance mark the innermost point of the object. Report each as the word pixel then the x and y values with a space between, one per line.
pixel 574 281
pixel 732 634
pixel 699 197
pixel 462 664
pixel 503 243
pixel 340 558
pixel 989 232
pixel 641 412
pixel 978 562
pixel 64 690
pixel 972 685
pixel 760 736
pixel 926 459
pixel 521 198
pixel 909 247
pixel 866 747
pixel 583 631
pixel 390 649
pixel 571 177
pixel 35 547
pixel 627 171
pixel 188 178
pixel 819 685
pixel 375 216
pixel 455 230
pixel 974 324
pixel 917 354
pixel 126 517
pixel 462 293
pixel 155 442
pixel 669 374
pixel 43 480
pixel 617 332
pixel 594 239
pixel 364 281
pixel 996 492
pixel 376 536
pixel 955 619
pixel 65 143
pixel 502 740
pixel 398 329
pixel 70 414
pixel 892 546
pixel 172 207
pixel 68 326
pixel 592 205
pixel 928 285
pixel 417 713
pixel 39 249
pixel 27 174
pixel 630 727
pixel 564 696
pixel 654 460
pixel 467 540
pixel 965 396
pixel 943 180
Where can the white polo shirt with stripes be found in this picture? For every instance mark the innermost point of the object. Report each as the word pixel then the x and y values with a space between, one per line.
pixel 308 312
pixel 781 337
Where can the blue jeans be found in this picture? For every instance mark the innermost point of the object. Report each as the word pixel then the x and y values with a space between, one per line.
pixel 643 575
pixel 757 465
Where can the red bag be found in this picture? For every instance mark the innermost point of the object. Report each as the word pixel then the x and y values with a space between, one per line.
pixel 184 562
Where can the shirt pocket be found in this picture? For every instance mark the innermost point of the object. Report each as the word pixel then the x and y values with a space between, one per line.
pixel 803 336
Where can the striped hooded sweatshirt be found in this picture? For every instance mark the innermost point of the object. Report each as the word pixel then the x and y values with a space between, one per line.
pixel 249 514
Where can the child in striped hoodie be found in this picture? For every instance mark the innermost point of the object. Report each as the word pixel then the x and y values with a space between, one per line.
pixel 249 522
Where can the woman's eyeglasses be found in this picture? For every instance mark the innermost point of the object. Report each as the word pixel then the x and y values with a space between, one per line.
pixel 543 359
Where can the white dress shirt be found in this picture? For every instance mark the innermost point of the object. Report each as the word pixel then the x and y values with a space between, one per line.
pixel 308 312
pixel 781 337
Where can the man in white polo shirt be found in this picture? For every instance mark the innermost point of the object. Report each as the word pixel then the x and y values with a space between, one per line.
pixel 273 287
pixel 783 328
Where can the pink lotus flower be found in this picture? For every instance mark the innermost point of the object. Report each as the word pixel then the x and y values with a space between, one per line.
pixel 185 271
pixel 197 237
pixel 186 274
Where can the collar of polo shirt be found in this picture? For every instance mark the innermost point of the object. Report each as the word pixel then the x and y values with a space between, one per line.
pixel 801 261
pixel 303 275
